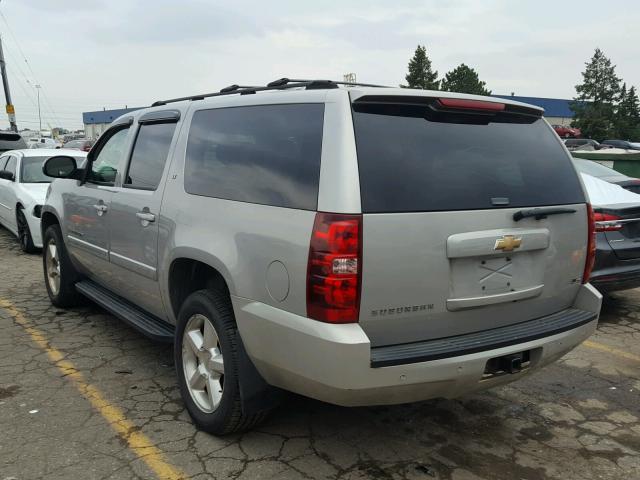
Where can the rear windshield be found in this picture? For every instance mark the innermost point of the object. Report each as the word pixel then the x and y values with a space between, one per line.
pixel 410 164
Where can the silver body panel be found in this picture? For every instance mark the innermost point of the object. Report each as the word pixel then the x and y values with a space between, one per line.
pixel 409 260
pixel 445 264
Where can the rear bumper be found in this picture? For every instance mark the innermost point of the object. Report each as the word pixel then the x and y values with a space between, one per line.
pixel 621 277
pixel 610 273
pixel 333 363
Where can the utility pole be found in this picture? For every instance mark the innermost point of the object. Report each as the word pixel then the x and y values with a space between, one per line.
pixel 38 87
pixel 11 112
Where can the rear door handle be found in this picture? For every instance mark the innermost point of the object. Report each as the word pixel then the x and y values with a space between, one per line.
pixel 146 216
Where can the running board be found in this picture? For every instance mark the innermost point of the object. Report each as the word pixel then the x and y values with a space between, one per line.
pixel 149 325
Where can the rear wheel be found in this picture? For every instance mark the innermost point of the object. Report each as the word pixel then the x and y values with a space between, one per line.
pixel 24 234
pixel 206 357
pixel 60 276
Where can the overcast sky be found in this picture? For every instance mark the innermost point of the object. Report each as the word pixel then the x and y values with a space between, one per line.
pixel 90 54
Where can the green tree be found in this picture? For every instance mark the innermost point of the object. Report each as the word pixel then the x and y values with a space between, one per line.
pixel 464 79
pixel 627 119
pixel 420 73
pixel 597 95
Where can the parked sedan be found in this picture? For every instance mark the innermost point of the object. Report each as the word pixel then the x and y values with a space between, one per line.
pixel 617 226
pixel 81 144
pixel 11 141
pixel 566 132
pixel 607 174
pixel 43 143
pixel 584 143
pixel 622 144
pixel 23 188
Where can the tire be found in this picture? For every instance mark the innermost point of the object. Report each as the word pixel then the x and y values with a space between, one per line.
pixel 56 263
pixel 24 234
pixel 226 415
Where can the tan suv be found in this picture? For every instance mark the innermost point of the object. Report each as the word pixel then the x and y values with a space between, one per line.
pixel 356 245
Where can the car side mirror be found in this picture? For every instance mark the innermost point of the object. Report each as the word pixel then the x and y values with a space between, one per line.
pixel 61 166
pixel 7 175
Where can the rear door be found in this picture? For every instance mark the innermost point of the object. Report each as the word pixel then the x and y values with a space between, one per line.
pixel 7 193
pixel 135 212
pixel 442 190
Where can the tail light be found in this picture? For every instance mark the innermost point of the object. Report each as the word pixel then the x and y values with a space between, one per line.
pixel 591 244
pixel 86 148
pixel 606 222
pixel 335 268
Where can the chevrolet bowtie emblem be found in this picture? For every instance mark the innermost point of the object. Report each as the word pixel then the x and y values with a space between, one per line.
pixel 507 243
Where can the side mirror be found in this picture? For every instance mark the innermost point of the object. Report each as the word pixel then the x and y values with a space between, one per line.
pixel 61 167
pixel 7 175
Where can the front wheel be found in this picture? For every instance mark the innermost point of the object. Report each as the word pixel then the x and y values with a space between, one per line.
pixel 206 358
pixel 24 234
pixel 59 274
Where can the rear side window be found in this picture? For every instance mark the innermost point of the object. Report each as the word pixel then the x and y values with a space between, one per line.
pixel 408 163
pixel 149 155
pixel 267 154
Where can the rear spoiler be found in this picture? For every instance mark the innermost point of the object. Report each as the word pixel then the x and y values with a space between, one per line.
pixel 450 104
pixel 446 109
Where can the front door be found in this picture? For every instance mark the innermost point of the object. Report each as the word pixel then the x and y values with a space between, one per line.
pixel 134 216
pixel 87 207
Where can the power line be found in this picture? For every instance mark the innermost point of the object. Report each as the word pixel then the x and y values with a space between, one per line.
pixel 15 40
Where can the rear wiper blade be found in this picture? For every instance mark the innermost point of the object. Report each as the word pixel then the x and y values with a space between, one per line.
pixel 540 213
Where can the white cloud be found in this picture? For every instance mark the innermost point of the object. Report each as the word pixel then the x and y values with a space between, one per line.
pixel 90 54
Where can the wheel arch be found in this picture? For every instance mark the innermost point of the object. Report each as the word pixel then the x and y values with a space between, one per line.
pixel 187 274
pixel 47 220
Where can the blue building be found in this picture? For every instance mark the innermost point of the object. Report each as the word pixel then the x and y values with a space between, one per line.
pixel 556 110
pixel 95 123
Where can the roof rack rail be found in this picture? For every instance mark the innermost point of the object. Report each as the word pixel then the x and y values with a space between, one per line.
pixel 280 84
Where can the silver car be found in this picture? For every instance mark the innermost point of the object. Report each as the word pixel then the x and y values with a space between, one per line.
pixel 356 245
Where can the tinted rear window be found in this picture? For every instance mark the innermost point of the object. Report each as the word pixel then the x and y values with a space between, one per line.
pixel 267 154
pixel 408 163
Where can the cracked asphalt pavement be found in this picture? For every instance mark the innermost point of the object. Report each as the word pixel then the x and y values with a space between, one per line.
pixel 577 419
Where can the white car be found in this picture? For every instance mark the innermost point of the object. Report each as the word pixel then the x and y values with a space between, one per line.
pixel 43 142
pixel 23 188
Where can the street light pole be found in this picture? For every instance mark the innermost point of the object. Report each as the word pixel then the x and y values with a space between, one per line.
pixel 38 87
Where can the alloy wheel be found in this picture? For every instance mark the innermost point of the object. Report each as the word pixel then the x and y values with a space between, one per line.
pixel 52 262
pixel 202 363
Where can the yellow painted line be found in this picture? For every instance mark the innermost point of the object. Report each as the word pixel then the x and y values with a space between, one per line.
pixel 139 443
pixel 614 351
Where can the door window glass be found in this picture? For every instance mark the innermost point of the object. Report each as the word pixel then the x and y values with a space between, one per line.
pixel 11 165
pixel 105 164
pixel 149 155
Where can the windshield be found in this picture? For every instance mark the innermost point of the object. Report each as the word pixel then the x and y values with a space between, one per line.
pixel 595 169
